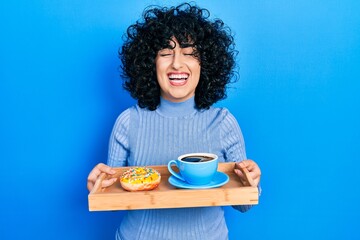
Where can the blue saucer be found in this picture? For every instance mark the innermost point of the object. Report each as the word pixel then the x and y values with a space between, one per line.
pixel 219 179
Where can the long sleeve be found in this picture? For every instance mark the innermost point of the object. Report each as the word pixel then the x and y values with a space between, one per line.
pixel 233 145
pixel 119 141
pixel 232 140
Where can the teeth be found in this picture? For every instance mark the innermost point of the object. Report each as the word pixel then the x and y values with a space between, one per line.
pixel 178 76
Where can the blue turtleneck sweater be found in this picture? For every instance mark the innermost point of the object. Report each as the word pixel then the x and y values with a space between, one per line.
pixel 142 137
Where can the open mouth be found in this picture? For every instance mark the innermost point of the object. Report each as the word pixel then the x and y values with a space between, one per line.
pixel 178 79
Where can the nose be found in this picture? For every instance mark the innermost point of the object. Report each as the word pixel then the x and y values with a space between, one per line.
pixel 177 62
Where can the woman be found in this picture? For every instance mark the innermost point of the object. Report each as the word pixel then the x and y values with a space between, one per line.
pixel 177 64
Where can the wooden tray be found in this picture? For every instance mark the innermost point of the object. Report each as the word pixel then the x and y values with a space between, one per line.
pixel 235 192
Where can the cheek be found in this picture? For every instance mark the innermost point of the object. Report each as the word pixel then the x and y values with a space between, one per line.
pixel 159 71
pixel 196 68
pixel 161 67
pixel 197 72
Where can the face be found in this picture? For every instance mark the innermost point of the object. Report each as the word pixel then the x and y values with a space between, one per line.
pixel 178 72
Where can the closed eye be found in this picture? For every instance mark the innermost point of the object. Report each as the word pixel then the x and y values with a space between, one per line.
pixel 188 51
pixel 164 54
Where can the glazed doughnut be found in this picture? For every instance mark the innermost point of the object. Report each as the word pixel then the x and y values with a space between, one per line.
pixel 140 178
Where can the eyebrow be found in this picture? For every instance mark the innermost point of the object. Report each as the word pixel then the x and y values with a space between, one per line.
pixel 183 45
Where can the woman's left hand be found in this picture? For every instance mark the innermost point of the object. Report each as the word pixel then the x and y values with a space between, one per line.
pixel 252 167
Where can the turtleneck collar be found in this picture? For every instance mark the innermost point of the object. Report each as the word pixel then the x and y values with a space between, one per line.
pixel 176 109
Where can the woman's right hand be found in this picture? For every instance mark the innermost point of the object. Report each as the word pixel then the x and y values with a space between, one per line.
pixel 95 173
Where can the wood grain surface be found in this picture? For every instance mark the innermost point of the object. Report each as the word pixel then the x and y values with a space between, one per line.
pixel 165 195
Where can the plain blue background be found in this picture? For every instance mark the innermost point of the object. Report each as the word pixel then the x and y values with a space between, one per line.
pixel 297 102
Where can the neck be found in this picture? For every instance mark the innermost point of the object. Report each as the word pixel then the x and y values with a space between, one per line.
pixel 176 109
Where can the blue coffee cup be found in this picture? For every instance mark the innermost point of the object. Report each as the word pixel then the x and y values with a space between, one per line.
pixel 195 168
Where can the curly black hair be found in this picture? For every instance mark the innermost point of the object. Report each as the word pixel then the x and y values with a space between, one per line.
pixel 212 41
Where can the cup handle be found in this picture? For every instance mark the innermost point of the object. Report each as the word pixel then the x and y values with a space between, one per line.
pixel 175 174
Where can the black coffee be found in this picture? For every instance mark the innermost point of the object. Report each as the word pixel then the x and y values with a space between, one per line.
pixel 197 159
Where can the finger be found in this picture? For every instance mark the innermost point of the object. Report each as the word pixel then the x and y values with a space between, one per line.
pixel 241 176
pixel 105 168
pixel 254 170
pixel 255 177
pixel 95 173
pixel 108 182
pixel 245 164
pixel 239 173
pixel 242 164
pixel 98 169
pixel 251 166
pixel 90 185
pixel 246 167
pixel 256 174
